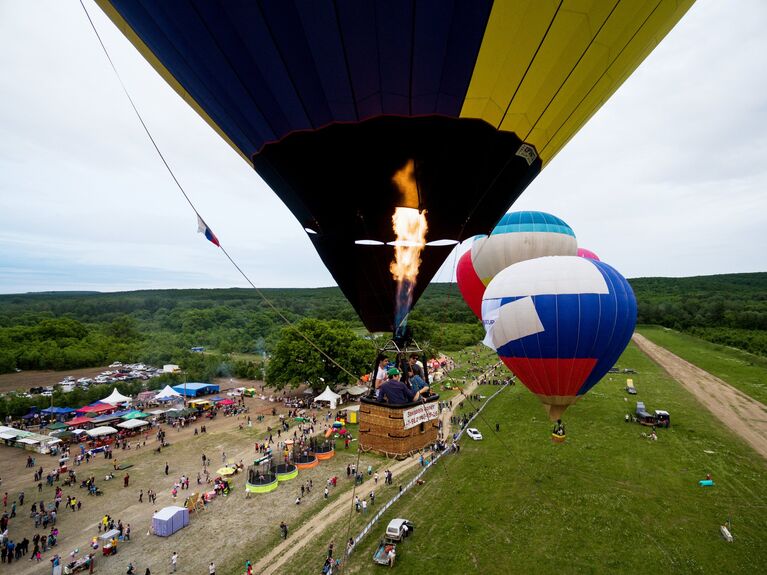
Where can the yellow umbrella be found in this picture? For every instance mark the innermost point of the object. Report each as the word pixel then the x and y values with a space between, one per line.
pixel 225 471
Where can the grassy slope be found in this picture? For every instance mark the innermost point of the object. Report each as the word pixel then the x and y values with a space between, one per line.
pixel 742 370
pixel 607 501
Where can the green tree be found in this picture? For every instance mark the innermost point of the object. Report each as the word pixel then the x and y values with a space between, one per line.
pixel 295 360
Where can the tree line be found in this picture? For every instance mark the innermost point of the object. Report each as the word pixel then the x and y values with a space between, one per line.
pixel 70 330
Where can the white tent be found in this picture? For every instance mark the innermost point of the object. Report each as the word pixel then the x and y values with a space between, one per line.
pixel 355 390
pixel 330 396
pixel 168 393
pixel 99 431
pixel 116 397
pixel 132 424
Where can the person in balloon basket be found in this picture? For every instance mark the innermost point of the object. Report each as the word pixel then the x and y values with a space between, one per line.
pixel 394 392
pixel 559 428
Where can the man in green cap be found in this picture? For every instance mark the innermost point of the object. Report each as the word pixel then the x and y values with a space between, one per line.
pixel 394 392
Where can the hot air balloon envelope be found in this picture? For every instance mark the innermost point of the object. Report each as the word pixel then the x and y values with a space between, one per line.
pixel 327 100
pixel 584 253
pixel 559 324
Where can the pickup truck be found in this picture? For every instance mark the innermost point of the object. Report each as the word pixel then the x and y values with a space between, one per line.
pixel 396 531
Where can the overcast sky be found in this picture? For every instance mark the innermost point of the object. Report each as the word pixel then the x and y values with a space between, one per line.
pixel 669 178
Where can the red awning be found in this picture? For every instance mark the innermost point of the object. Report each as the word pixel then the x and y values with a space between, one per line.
pixel 99 408
pixel 78 421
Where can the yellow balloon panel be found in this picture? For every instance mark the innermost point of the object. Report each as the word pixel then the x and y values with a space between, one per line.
pixel 622 64
pixel 544 68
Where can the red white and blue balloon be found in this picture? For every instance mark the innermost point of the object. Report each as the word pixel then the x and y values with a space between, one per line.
pixel 559 324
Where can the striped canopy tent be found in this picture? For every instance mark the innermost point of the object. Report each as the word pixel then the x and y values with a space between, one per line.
pixel 327 100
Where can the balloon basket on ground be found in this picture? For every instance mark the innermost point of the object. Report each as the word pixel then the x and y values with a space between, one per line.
pixel 307 462
pixel 382 429
pixel 555 438
pixel 285 471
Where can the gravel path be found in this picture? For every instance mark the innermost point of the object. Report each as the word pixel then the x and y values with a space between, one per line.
pixel 741 413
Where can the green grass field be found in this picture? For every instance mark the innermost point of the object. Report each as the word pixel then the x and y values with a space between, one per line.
pixel 606 501
pixel 741 369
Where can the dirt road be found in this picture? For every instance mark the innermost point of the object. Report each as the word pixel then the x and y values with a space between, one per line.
pixel 744 415
pixel 285 551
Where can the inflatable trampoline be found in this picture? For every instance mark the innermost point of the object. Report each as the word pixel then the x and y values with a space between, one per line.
pixel 284 471
pixel 260 482
pixel 323 453
pixel 306 461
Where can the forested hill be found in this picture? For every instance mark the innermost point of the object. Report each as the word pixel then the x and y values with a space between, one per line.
pixel 732 300
pixel 728 309
pixel 75 329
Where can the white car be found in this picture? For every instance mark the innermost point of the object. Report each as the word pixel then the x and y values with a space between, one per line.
pixel 474 433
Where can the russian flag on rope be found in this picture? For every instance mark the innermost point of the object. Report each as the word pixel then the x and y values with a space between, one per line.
pixel 203 228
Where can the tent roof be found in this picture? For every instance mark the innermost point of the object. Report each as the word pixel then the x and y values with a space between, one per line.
pixel 58 410
pixel 132 423
pixel 97 431
pixel 98 408
pixel 78 421
pixel 167 392
pixel 328 395
pixel 116 397
pixel 355 390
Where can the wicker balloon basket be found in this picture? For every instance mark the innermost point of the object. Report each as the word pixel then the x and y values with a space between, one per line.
pixel 382 430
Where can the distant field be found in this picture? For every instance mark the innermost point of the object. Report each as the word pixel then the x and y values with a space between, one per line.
pixel 606 501
pixel 24 380
pixel 745 371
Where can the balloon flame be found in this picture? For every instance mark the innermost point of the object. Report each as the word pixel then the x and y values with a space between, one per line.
pixel 410 227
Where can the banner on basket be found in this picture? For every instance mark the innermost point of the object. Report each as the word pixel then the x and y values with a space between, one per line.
pixel 420 414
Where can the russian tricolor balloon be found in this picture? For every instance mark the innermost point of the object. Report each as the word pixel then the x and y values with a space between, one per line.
pixel 559 324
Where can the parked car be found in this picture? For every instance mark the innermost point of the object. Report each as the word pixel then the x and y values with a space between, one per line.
pixel 474 433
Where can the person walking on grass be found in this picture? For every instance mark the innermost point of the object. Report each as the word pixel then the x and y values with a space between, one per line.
pixel 212 568
pixel 173 562
pixel 166 468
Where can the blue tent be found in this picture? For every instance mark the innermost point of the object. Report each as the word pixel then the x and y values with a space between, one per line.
pixel 196 389
pixel 57 410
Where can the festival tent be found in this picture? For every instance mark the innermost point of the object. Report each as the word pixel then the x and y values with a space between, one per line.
pixel 132 424
pixel 116 397
pixel 135 414
pixel 330 396
pixel 96 409
pixel 169 520
pixel 226 402
pixel 104 418
pixel 77 421
pixel 99 431
pixel 355 390
pixel 56 426
pixel 195 389
pixel 146 395
pixel 57 410
pixel 167 393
